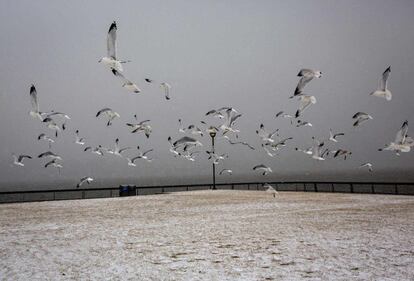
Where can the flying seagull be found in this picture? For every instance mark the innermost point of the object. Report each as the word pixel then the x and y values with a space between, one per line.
pixel 368 165
pixel 264 168
pixel 46 138
pixel 265 135
pixel 402 142
pixel 360 117
pixel 382 90
pixel 228 171
pixel 186 141
pixel 117 151
pixel 49 154
pixel 54 164
pixel 109 113
pixel 305 102
pixel 127 84
pixel 35 112
pixel 342 152
pixel 18 160
pixel 52 125
pixel 79 140
pixel 141 126
pixel 306 76
pixel 303 124
pixel 166 87
pixel 88 180
pixel 316 150
pixel 111 60
pixel 332 136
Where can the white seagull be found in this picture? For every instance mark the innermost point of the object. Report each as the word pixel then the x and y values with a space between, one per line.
pixel 109 113
pixel 88 180
pixel 264 168
pixel 49 154
pixel 111 60
pixel 46 138
pixel 141 126
pixel 402 142
pixel 368 165
pixel 307 76
pixel 35 112
pixel 54 164
pixel 127 84
pixel 332 136
pixel 382 90
pixel 360 117
pixel 79 140
pixel 270 189
pixel 166 87
pixel 18 160
pixel 265 135
pixel 228 171
pixel 305 102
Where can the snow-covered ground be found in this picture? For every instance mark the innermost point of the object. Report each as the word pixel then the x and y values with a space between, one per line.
pixel 210 235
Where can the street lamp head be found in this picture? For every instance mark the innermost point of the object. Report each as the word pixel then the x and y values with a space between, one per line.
pixel 212 131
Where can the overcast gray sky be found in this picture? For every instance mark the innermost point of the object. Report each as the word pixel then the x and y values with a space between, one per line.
pixel 244 54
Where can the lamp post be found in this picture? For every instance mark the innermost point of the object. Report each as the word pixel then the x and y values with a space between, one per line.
pixel 213 132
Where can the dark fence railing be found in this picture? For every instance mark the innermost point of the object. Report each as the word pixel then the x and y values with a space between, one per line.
pixel 86 193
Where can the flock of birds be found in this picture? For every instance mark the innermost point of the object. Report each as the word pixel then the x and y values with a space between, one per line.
pixel 222 123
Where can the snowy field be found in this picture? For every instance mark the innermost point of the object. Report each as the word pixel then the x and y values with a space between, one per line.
pixel 210 235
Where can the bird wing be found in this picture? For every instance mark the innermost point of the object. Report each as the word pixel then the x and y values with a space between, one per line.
pixel 384 78
pixel 33 98
pixel 148 151
pixel 111 41
pixel 302 83
pixel 103 111
pixel 402 133
pixel 21 157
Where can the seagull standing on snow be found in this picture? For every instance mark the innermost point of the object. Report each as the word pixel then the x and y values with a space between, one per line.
pixel 382 90
pixel 307 76
pixel 18 161
pixel 270 189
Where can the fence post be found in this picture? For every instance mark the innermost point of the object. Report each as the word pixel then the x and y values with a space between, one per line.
pixel 232 186
pixel 187 188
pixel 352 188
pixel 396 189
pixel 333 188
pixel 83 194
pixel 372 189
pixel 316 187
pixel 248 186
